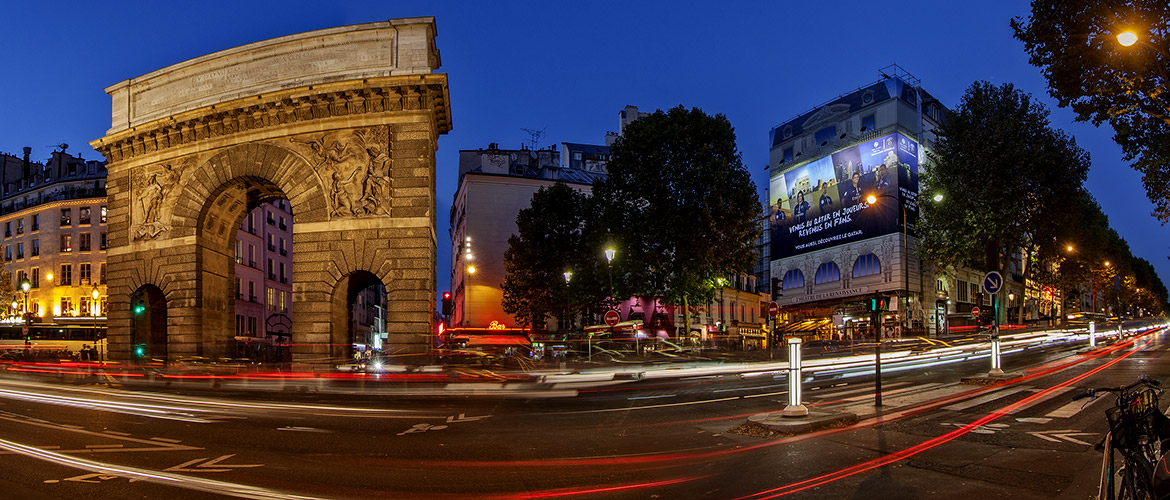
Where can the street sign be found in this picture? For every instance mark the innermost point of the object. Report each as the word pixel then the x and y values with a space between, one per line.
pixel 992 282
pixel 612 317
pixel 773 309
pixel 975 312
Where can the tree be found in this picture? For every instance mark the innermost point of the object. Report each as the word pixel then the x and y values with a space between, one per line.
pixel 1009 179
pixel 680 200
pixel 549 242
pixel 1074 43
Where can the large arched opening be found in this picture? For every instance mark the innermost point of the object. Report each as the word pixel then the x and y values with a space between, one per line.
pixel 359 322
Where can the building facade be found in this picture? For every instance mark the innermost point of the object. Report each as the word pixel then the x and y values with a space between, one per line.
pixel 263 288
pixel 54 219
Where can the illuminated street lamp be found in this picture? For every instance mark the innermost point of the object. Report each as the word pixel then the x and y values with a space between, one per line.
pixel 24 286
pixel 1127 38
pixel 568 321
pixel 610 253
pixel 95 309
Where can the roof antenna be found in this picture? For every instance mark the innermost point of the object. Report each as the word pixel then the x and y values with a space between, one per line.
pixel 536 135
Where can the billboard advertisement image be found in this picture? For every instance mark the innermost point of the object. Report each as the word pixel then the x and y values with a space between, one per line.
pixel 823 203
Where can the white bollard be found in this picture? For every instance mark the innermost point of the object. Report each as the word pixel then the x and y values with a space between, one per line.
pixel 1092 334
pixel 794 408
pixel 996 366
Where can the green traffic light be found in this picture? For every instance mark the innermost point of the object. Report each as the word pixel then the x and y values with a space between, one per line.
pixel 139 309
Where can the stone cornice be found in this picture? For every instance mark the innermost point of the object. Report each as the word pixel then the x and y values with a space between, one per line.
pixel 276 109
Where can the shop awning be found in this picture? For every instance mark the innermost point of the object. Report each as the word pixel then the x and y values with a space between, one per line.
pixel 497 340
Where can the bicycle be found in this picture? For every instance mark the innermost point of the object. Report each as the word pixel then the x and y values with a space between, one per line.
pixel 1141 433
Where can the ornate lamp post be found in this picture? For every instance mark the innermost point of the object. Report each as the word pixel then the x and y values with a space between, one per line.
pixel 568 320
pixel 610 253
pixel 24 286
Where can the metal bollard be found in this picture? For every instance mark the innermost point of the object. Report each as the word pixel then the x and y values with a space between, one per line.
pixel 996 366
pixel 794 408
pixel 1092 334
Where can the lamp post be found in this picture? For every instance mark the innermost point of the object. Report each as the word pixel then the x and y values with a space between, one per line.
pixel 610 253
pixel 24 286
pixel 467 296
pixel 903 308
pixel 568 321
pixel 95 309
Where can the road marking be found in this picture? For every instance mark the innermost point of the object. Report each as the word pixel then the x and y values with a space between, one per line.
pixel 422 428
pixel 212 465
pixel 300 429
pixel 826 394
pixel 1033 420
pixel 116 433
pixel 151 445
pixel 750 388
pixel 1056 436
pixel 95 446
pixel 1046 397
pixel 982 429
pixel 971 403
pixel 1071 408
pixel 653 397
pixel 464 418
pixel 165 440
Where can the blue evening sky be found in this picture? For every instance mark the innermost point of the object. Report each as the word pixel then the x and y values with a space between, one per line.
pixel 566 67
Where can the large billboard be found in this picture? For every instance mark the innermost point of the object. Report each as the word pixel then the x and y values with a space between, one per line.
pixel 822 203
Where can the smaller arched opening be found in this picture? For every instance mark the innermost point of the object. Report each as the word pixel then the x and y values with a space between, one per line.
pixel 359 335
pixel 148 324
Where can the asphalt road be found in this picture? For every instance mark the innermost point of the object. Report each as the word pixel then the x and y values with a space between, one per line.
pixel 934 437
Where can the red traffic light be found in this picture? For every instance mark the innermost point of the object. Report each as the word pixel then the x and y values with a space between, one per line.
pixel 446 295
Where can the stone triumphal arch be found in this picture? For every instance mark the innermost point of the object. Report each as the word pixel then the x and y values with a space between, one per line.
pixel 341 122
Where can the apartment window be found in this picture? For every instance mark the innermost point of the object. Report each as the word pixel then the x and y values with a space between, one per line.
pixel 252 326
pixel 962 289
pixel 251 255
pixel 66 243
pixel 271 273
pixel 83 274
pixel 239 256
pixel 252 222
pixel 35 250
pixel 239 324
pixel 66 277
pixel 283 302
pixel 66 306
pixel 271 245
pixel 36 222
pixel 103 214
pixel 7 229
pixel 271 220
pixel 102 273
pixel 7 252
pixel 66 217
pixel 35 280
pixel 251 291
pixel 83 215
pixel 826 135
pixel 282 250
pixel 84 309
pixel 105 305
pixel 787 154
pixel 103 241
pixel 867 123
pixel 20 225
pixel 283 226
pixel 83 242
pixel 283 278
pixel 271 303
pixel 20 250
pixel 238 294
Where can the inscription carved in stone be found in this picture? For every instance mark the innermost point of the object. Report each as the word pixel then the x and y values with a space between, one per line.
pixel 354 166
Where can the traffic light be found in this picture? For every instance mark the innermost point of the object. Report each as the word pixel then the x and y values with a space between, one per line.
pixel 775 288
pixel 446 303
pixel 877 303
pixel 138 308
pixel 139 350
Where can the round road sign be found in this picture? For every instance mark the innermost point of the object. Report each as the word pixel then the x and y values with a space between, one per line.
pixel 975 312
pixel 773 309
pixel 612 317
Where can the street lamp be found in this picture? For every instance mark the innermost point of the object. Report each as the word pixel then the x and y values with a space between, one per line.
pixel 872 199
pixel 1127 38
pixel 24 286
pixel 95 309
pixel 610 253
pixel 568 322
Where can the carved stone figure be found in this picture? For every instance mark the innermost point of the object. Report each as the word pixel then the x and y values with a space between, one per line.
pixel 355 170
pixel 151 199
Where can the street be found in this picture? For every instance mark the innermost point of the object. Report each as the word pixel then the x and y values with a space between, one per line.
pixel 657 437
